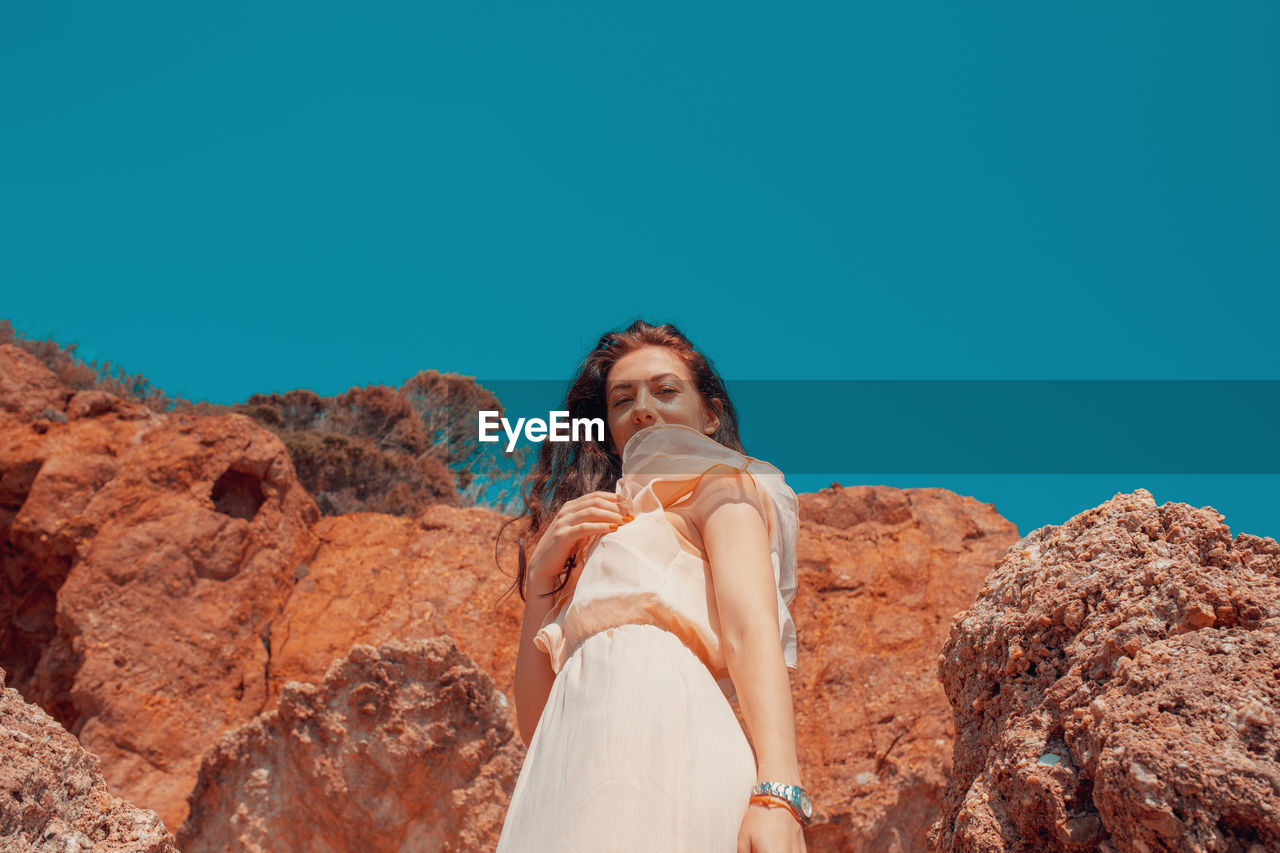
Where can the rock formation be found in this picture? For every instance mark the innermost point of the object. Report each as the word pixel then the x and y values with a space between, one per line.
pixel 881 571
pixel 376 577
pixel 145 556
pixel 405 747
pixel 52 795
pixel 1116 687
pixel 28 389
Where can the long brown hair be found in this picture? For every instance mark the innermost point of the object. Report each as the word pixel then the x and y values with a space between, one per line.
pixel 567 469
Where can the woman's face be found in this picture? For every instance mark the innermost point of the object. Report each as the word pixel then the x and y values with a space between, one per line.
pixel 652 386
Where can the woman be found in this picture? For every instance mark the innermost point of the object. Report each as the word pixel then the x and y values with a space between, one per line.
pixel 659 567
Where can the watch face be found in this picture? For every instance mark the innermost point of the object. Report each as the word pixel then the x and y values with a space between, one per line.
pixel 806 805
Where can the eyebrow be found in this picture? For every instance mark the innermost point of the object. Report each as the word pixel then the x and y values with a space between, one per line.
pixel 622 385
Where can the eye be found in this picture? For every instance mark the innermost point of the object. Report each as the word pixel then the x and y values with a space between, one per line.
pixel 665 390
pixel 620 401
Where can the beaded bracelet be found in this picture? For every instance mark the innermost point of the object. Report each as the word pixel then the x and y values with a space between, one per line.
pixel 776 802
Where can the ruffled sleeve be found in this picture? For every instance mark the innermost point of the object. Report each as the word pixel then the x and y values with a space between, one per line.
pixel 550 637
pixel 663 464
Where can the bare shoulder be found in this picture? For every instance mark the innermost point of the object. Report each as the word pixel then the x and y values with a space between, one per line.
pixel 728 494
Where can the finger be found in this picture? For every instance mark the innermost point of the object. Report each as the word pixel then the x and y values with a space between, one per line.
pixel 598 500
pixel 593 528
pixel 607 500
pixel 575 509
pixel 594 513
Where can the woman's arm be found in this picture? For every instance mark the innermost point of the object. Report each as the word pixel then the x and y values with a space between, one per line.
pixel 737 544
pixel 577 520
pixel 534 675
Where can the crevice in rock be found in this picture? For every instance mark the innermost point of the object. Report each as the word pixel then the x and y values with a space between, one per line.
pixel 266 666
pixel 29 587
pixel 839 588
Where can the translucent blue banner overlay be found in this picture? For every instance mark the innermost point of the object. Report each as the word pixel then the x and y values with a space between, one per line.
pixel 987 426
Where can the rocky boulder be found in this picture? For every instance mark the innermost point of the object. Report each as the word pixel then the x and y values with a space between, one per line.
pixel 404 747
pixel 378 577
pixel 53 798
pixel 881 572
pixel 144 559
pixel 1116 687
pixel 28 389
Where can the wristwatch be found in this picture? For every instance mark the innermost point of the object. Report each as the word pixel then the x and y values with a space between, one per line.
pixel 794 795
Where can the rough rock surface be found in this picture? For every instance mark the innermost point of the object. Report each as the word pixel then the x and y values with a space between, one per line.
pixel 144 557
pixel 28 388
pixel 378 577
pixel 405 747
pixel 1116 687
pixel 52 795
pixel 881 572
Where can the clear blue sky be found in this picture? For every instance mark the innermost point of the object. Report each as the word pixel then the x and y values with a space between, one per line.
pixel 258 197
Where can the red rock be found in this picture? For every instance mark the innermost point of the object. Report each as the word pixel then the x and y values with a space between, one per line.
pixel 881 571
pixel 95 404
pixel 52 794
pixel 402 747
pixel 169 545
pixel 28 388
pixel 377 577
pixel 1115 688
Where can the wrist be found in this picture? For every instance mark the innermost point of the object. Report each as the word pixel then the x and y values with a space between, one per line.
pixel 539 591
pixel 543 573
pixel 539 585
pixel 784 773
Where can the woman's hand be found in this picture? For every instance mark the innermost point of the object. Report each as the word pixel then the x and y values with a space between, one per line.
pixel 770 829
pixel 590 515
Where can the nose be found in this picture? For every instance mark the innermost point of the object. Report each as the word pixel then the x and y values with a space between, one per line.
pixel 642 413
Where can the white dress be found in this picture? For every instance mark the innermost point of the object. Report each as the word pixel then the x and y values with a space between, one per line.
pixel 638 749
